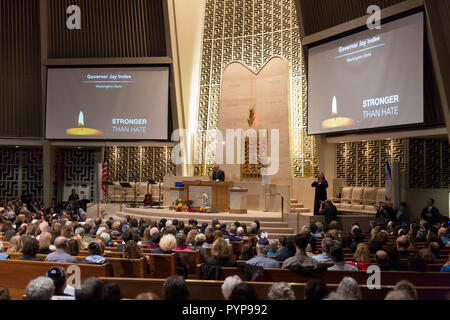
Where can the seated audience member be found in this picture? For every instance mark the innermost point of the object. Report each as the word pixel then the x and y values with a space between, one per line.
pixel 155 238
pixel 198 245
pixel 190 239
pixel 329 210
pixel 87 238
pixel 241 233
pixel 221 254
pixel 273 249
pixel 111 292
pixel 315 290
pixel 58 276
pixel 281 291
pixel 44 243
pixel 73 248
pixel 228 285
pixel 314 232
pixel 3 256
pixel 181 243
pixel 431 214
pixel 4 294
pixel 446 267
pixel 334 232
pixel 397 295
pixel 408 288
pixel 325 257
pixel 381 240
pixel 41 288
pixel 300 258
pixel 287 248
pixel 106 238
pixel 254 228
pixel 210 238
pixel 8 231
pixel 417 263
pixel 261 260
pixel 126 236
pixel 15 245
pixel 147 296
pixel 444 235
pixel 91 289
pixel 232 234
pixel 357 238
pixel 349 288
pixel 403 216
pixel 243 291
pixel 247 252
pixel 95 254
pixel 338 258
pixel 166 246
pixel 402 244
pixel 175 288
pixel 132 251
pixel 30 250
pixel 60 255
pixel 382 260
pixel 361 257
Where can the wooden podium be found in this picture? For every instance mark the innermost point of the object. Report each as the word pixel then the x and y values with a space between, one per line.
pixel 219 191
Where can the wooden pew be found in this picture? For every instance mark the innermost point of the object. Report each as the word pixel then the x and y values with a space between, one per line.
pixel 191 258
pixel 16 274
pixel 211 290
pixel 436 279
pixel 163 265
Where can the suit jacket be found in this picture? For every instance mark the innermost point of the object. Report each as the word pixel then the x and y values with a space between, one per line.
pixel 219 175
pixel 435 215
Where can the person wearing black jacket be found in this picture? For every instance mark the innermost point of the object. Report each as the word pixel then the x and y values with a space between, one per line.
pixel 321 186
pixel 430 213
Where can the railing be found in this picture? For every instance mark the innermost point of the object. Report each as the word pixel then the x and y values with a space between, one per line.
pixel 283 199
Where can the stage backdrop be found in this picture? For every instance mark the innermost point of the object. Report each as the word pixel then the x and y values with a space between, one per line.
pixel 267 93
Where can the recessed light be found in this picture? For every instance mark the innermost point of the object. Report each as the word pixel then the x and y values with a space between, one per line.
pixel 79 148
pixel 17 147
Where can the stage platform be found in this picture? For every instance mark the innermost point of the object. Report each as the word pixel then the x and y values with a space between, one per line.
pixel 271 222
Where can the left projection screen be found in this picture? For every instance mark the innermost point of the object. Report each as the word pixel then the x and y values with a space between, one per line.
pixel 107 103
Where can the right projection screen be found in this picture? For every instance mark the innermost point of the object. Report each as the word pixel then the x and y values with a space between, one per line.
pixel 370 79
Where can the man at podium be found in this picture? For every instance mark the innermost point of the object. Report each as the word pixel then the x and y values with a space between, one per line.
pixel 217 174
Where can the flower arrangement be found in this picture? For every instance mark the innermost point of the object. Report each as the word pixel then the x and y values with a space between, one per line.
pixel 182 206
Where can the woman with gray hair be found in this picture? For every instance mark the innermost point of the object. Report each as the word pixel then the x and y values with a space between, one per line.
pixel 229 284
pixel 281 291
pixel 349 288
pixel 41 288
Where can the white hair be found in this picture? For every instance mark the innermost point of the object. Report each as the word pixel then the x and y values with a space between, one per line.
pixel 398 295
pixel 41 288
pixel 349 287
pixel 89 221
pixel 44 227
pixel 240 231
pixel 281 291
pixel 105 237
pixel 168 223
pixel 229 284
pixel 153 231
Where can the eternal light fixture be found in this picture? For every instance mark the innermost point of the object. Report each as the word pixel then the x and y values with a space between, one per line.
pixel 81 130
pixel 336 121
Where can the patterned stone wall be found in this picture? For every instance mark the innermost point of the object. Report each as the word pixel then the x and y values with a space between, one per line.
pixel 425 163
pixel 20 170
pixel 128 164
pixel 252 31
pixel 79 168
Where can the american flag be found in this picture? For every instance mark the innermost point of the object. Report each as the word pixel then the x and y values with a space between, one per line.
pixel 104 172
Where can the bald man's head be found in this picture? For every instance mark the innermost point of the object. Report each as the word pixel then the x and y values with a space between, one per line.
pixel 60 243
pixel 402 243
pixel 382 257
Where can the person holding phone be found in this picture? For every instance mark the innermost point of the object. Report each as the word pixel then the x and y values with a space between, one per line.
pixel 321 186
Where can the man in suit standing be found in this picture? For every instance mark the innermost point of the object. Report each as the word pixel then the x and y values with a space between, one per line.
pixel 431 214
pixel 217 174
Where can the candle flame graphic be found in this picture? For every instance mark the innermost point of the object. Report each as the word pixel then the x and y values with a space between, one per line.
pixel 81 119
pixel 334 107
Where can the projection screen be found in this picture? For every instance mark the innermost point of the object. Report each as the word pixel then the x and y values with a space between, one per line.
pixel 108 103
pixel 370 79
